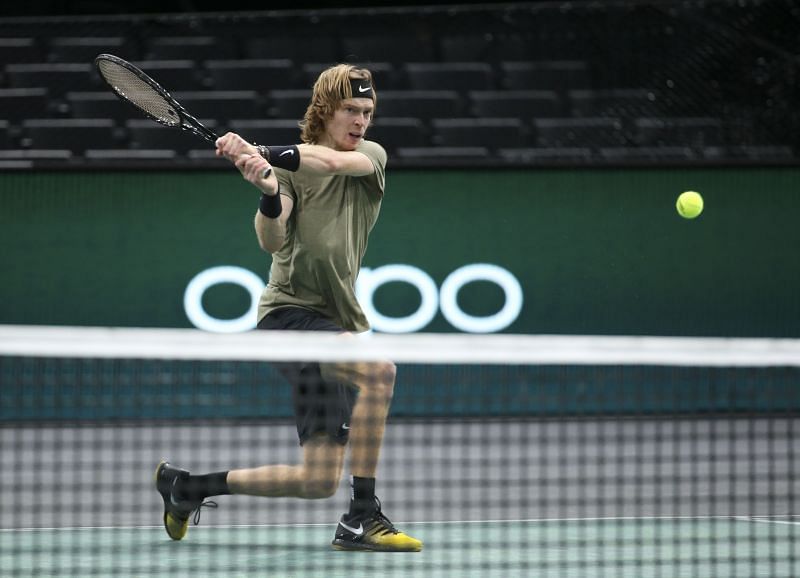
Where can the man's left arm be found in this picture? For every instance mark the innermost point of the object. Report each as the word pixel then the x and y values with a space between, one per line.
pixel 322 160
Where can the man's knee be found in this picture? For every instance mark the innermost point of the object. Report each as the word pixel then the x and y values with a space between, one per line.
pixel 386 373
pixel 380 378
pixel 320 487
pixel 374 375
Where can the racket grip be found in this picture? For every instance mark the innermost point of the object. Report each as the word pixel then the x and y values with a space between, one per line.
pixel 267 172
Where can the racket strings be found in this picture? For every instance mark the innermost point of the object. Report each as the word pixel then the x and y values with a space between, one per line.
pixel 138 92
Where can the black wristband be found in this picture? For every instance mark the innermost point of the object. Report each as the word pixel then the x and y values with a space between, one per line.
pixel 270 205
pixel 284 157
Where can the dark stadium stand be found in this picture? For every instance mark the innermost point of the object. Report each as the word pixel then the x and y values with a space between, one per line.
pixel 199 48
pixel 222 105
pixel 22 103
pixel 423 104
pixel 75 135
pixel 20 50
pixel 69 49
pixel 147 135
pixel 579 132
pixel 492 133
pixel 57 78
pixel 394 133
pixel 252 74
pixel 514 84
pixel 5 138
pixel 518 103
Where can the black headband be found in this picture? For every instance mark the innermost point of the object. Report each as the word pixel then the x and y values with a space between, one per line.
pixel 361 88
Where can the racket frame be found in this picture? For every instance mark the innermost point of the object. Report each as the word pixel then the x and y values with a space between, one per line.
pixel 187 122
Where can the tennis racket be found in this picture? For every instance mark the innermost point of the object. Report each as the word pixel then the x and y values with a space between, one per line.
pixel 134 86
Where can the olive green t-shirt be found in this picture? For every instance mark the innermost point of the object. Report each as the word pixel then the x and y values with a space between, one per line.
pixel 326 238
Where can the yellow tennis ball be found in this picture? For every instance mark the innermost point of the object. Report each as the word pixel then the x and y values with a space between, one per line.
pixel 689 204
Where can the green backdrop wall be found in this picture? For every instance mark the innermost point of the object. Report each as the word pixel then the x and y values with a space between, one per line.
pixel 595 251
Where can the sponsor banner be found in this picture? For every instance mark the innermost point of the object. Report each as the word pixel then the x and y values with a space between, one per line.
pixel 516 251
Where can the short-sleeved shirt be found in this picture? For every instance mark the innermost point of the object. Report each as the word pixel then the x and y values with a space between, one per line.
pixel 326 238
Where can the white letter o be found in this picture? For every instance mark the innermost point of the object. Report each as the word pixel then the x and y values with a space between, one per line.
pixel 370 279
pixel 481 272
pixel 193 299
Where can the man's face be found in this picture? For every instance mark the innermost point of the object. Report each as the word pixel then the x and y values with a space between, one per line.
pixel 349 123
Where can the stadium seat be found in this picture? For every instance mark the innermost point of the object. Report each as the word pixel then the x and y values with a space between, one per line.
pixel 144 134
pixel 8 157
pixel 762 153
pixel 208 158
pixel 647 154
pixel 547 75
pixel 288 103
pixel 391 47
pixel 268 132
pixel 474 46
pixel 197 48
pixel 298 48
pixel 516 47
pixel 424 104
pixel 221 105
pixel 85 49
pixel 689 132
pixel 5 135
pixel 259 75
pixel 519 103
pixel 20 103
pixel 546 155
pixel 616 103
pixel 461 76
pixel 579 132
pixel 131 154
pixel 100 105
pixel 434 156
pixel 174 75
pixel 493 133
pixel 19 51
pixel 393 133
pixel 71 134
pixel 58 78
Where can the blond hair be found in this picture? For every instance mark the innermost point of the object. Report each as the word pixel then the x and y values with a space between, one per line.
pixel 330 89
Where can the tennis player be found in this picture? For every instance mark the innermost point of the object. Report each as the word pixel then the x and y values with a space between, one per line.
pixel 319 202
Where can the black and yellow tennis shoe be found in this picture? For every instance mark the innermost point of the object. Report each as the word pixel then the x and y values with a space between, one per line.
pixel 373 532
pixel 177 510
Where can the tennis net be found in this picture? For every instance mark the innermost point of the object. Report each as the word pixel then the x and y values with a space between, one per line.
pixel 507 455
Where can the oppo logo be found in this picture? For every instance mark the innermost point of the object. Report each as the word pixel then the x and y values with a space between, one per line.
pixel 432 298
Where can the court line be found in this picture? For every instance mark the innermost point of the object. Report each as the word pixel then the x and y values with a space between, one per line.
pixel 757 518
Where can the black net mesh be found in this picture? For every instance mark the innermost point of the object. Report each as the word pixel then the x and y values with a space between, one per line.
pixel 659 462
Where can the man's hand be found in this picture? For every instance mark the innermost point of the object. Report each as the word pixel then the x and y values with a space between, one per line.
pixel 257 170
pixel 232 146
pixel 254 168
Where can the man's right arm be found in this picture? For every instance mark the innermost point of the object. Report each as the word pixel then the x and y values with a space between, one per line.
pixel 271 233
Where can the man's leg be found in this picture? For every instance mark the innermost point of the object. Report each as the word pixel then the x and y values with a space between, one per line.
pixel 365 527
pixel 317 477
pixel 375 384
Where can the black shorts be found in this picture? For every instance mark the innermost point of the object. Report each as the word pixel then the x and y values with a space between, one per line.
pixel 319 406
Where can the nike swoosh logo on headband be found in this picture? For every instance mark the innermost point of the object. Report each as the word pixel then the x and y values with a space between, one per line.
pixel 364 88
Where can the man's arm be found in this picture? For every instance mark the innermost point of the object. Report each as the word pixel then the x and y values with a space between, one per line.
pixel 326 161
pixel 316 159
pixel 271 233
pixel 275 209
